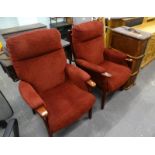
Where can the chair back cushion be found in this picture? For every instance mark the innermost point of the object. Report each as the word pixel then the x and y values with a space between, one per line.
pixel 87 40
pixel 38 58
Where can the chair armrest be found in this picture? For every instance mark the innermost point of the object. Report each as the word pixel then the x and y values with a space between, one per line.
pixel 11 126
pixel 42 112
pixel 30 95
pixel 75 72
pixel 129 60
pixel 90 66
pixel 93 67
pixel 115 55
pixel 78 76
pixel 106 74
pixel 91 83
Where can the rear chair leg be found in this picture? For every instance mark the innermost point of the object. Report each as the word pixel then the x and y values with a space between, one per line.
pixel 51 134
pixel 90 114
pixel 103 100
pixel 33 111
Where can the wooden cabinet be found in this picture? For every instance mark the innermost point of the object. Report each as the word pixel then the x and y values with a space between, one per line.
pixel 133 43
pixel 121 21
pixel 148 26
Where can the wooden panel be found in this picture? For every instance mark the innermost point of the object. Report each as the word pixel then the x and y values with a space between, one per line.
pixel 131 46
pixel 124 43
pixel 131 81
pixel 136 65
pixel 150 52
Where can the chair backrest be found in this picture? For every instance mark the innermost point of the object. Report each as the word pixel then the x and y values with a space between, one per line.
pixel 87 41
pixel 38 58
pixel 5 109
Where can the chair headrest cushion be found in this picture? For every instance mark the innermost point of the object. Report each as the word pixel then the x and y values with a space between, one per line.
pixel 87 31
pixel 35 43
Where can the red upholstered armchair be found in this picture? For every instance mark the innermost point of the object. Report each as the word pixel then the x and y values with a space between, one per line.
pixel 50 86
pixel 107 67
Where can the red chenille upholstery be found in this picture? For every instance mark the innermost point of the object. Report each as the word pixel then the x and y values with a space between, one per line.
pixel 91 56
pixel 86 42
pixel 120 74
pixel 30 95
pixel 115 56
pixel 46 78
pixel 66 103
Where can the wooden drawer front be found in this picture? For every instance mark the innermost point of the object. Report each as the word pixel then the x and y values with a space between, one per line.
pixel 127 44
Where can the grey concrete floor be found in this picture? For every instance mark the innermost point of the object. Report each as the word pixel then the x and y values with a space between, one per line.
pixel 127 113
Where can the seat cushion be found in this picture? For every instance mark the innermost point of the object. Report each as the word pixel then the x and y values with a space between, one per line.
pixel 66 104
pixel 120 75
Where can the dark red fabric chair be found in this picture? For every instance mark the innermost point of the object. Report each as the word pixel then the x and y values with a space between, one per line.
pixel 107 67
pixel 53 88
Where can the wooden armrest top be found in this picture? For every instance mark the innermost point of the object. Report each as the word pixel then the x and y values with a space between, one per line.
pixel 42 111
pixel 135 57
pixel 129 59
pixel 91 83
pixel 106 74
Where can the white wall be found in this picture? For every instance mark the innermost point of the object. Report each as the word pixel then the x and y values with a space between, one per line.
pixel 26 20
pixel 78 20
pixel 7 22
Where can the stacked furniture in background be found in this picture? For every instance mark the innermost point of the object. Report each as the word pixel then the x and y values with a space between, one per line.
pixel 63 24
pixel 57 91
pixel 107 67
pixel 19 29
pixel 146 24
pixel 120 21
pixel 124 21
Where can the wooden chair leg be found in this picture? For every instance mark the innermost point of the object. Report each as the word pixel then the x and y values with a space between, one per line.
pixel 90 114
pixel 103 100
pixel 51 134
pixel 121 88
pixel 33 111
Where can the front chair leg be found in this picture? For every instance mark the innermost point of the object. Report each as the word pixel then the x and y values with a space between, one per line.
pixel 33 111
pixel 103 100
pixel 90 114
pixel 51 135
